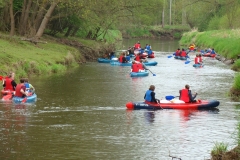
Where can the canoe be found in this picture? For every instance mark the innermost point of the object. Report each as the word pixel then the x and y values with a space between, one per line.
pixel 117 63
pixel 200 104
pixel 139 74
pixel 198 65
pixel 29 99
pixel 105 60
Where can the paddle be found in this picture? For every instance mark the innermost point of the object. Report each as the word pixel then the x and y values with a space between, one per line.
pixel 169 97
pixel 159 105
pixel 152 72
pixel 188 60
pixel 170 56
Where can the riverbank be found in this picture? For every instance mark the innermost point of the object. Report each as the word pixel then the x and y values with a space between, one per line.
pixel 52 55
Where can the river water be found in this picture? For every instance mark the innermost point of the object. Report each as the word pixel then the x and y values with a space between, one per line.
pixel 82 114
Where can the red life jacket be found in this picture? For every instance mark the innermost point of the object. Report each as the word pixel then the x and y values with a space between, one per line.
pixel 135 67
pixel 183 54
pixel 18 90
pixel 140 66
pixel 137 58
pixel 177 53
pixel 184 95
pixel 200 59
pixel 120 59
pixel 8 84
pixel 196 60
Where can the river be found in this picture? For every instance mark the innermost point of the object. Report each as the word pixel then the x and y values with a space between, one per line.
pixel 82 114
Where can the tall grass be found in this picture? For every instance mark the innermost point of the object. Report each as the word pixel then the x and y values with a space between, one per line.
pixel 218 150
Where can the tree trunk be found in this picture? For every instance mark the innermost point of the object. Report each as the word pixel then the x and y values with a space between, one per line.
pixel 68 31
pixel 163 14
pixel 25 18
pixel 12 32
pixel 45 20
pixel 170 13
pixel 20 25
pixel 39 16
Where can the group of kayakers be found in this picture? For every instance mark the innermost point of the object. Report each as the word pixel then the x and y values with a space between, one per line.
pixel 185 95
pixel 22 89
pixel 181 53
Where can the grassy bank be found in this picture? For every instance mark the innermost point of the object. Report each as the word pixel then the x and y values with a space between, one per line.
pixel 55 56
pixel 226 43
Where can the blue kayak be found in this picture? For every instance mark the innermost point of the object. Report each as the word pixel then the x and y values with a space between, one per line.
pixel 198 65
pixel 30 99
pixel 151 63
pixel 181 58
pixel 139 74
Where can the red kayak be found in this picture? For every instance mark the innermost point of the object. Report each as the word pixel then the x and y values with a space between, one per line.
pixel 209 55
pixel 200 104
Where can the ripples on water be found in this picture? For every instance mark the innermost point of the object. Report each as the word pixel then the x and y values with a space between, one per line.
pixel 82 115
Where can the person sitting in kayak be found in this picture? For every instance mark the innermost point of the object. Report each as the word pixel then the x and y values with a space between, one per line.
pixel 197 59
pixel 150 95
pixel 21 89
pixel 122 58
pixel 186 95
pixel 183 53
pixel 9 84
pixel 177 53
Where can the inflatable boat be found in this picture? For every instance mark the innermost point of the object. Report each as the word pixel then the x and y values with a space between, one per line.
pixel 28 99
pixel 198 65
pixel 165 104
pixel 139 74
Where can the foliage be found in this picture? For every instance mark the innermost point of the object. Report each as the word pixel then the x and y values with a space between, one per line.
pixel 236 84
pixel 219 149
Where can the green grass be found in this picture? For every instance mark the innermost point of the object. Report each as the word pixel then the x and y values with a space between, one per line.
pixel 25 58
pixel 219 149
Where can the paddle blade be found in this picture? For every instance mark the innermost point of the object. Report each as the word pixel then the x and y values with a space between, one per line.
pixel 154 74
pixel 187 62
pixel 24 100
pixel 169 56
pixel 1 78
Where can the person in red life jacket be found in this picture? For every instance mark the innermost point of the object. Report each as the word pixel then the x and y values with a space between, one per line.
pixel 150 95
pixel 183 53
pixel 137 58
pixel 177 53
pixel 134 67
pixel 9 83
pixel 122 58
pixel 197 59
pixel 186 95
pixel 21 89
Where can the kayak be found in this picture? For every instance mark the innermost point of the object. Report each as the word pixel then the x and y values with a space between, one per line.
pixel 28 99
pixel 181 58
pixel 165 104
pixel 198 65
pixel 139 74
pixel 117 63
pixel 208 55
pixel 105 60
